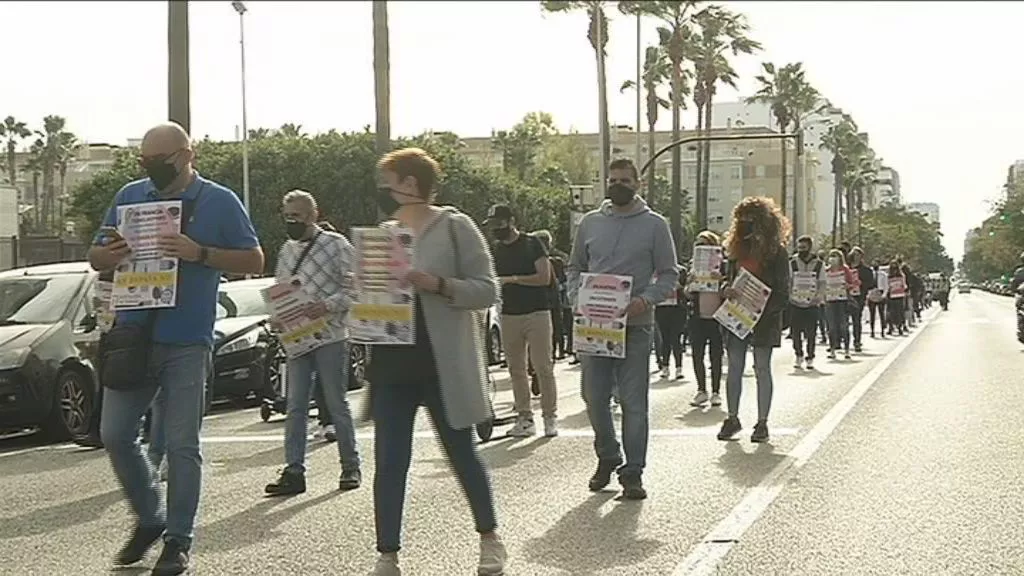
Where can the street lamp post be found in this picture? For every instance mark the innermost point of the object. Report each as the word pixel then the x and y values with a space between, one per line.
pixel 178 108
pixel 239 7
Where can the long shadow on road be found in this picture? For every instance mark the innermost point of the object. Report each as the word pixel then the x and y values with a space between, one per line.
pixel 745 468
pixel 58 517
pixel 255 524
pixel 583 541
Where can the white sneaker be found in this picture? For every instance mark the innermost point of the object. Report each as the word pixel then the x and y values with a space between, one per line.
pixel 716 399
pixel 550 427
pixel 163 470
pixel 492 556
pixel 387 565
pixel 799 362
pixel 810 364
pixel 664 373
pixel 329 434
pixel 679 373
pixel 523 428
pixel 700 399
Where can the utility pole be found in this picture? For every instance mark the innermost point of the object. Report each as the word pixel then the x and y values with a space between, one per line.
pixel 179 107
pixel 382 76
pixel 602 100
pixel 639 96
pixel 239 7
pixel 798 191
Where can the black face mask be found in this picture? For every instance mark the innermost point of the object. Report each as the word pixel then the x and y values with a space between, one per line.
pixel 620 194
pixel 295 229
pixel 804 253
pixel 746 229
pixel 387 204
pixel 162 173
pixel 503 233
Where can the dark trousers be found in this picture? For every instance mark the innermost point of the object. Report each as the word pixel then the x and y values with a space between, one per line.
pixel 557 333
pixel 897 320
pixel 838 330
pixel 395 402
pixel 706 333
pixel 877 309
pixel 857 320
pixel 671 322
pixel 823 323
pixel 803 323
pixel 567 322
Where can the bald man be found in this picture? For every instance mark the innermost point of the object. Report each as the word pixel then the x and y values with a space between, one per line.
pixel 175 343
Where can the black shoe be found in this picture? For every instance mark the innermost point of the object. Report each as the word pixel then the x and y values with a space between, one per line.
pixel 534 385
pixel 632 487
pixel 760 433
pixel 141 541
pixel 603 475
pixel 350 480
pixel 730 428
pixel 858 348
pixel 289 484
pixel 173 560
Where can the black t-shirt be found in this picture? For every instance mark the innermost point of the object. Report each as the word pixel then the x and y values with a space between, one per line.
pixel 517 259
pixel 390 362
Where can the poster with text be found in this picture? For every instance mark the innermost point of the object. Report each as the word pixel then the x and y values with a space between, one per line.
pixel 739 315
pixel 835 285
pixel 298 331
pixel 383 309
pixel 146 279
pixel 599 319
pixel 805 288
pixel 707 266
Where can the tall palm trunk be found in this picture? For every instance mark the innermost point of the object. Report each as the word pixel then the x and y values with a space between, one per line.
pixel 837 174
pixel 785 171
pixel 706 167
pixel 35 197
pixel 652 142
pixel 798 185
pixel 48 198
pixel 700 156
pixel 676 216
pixel 382 76
pixel 597 21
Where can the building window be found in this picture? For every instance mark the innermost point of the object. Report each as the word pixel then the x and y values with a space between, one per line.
pixel 759 171
pixel 736 172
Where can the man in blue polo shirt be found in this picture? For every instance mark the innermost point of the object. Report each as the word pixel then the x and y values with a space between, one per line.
pixel 217 237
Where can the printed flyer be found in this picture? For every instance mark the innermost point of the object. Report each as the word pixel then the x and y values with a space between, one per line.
pixel 299 333
pixel 383 311
pixel 599 320
pixel 805 288
pixel 101 304
pixel 741 314
pixel 147 279
pixel 707 263
pixel 835 285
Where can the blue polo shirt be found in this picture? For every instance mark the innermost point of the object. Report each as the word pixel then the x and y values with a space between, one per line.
pixel 218 221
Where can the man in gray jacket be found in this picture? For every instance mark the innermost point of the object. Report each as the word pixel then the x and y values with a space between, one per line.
pixel 623 237
pixel 807 279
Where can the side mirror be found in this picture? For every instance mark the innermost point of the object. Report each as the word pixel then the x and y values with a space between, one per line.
pixel 89 323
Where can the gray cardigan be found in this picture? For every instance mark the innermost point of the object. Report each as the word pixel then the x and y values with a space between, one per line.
pixel 456 336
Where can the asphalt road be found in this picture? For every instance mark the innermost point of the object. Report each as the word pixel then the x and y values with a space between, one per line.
pixel 922 475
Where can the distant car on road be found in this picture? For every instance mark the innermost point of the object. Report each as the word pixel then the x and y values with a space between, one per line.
pixel 964 288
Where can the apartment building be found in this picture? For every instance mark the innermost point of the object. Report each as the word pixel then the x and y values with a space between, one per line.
pixel 887 187
pixel 737 169
pixel 929 210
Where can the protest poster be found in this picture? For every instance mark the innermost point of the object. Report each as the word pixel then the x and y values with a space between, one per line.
pixel 599 318
pixel 740 315
pixel 706 270
pixel 835 285
pixel 298 331
pixel 383 308
pixel 147 279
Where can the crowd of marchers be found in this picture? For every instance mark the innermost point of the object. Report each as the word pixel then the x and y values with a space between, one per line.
pixel 162 356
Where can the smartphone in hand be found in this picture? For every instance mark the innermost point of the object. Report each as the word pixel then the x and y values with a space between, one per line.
pixel 107 235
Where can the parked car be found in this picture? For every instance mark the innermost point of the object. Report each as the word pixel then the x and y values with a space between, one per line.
pixel 964 288
pixel 495 353
pixel 48 341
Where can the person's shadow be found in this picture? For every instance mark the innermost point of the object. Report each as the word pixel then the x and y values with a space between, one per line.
pixel 745 468
pixel 584 542
pixel 59 516
pixel 255 524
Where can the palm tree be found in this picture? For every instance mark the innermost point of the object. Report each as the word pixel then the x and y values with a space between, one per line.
pixel 292 131
pixel 845 143
pixel 14 131
pixel 35 165
pixel 655 73
pixel 776 90
pixel 675 36
pixel 50 138
pixel 68 147
pixel 382 75
pixel 597 33
pixel 721 32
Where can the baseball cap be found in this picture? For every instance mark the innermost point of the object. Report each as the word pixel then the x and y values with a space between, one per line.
pixel 499 212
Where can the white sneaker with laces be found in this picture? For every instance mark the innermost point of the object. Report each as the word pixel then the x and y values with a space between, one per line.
pixel 798 363
pixel 810 364
pixel 679 373
pixel 664 373
pixel 523 428
pixel 716 399
pixel 492 556
pixel 387 565
pixel 700 399
pixel 550 427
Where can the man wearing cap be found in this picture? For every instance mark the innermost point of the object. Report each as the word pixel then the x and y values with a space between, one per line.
pixel 522 265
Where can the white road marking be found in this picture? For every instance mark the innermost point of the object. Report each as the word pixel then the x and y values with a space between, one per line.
pixel 423 434
pixel 706 556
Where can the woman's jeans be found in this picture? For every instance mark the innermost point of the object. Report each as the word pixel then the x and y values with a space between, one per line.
pixel 896 320
pixel 762 373
pixel 857 320
pixel 706 333
pixel 394 413
pixel 838 325
pixel 671 322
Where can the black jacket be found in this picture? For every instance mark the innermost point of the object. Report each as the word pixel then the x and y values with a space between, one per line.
pixel 775 274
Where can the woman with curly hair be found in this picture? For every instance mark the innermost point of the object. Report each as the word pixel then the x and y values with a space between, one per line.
pixel 756 242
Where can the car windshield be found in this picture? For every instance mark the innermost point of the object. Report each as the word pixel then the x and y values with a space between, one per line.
pixel 36 299
pixel 235 301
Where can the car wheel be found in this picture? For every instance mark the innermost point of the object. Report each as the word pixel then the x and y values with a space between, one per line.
pixel 357 367
pixel 74 403
pixel 273 363
pixel 494 351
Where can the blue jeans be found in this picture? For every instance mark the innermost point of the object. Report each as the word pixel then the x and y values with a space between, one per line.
pixel 838 325
pixel 179 373
pixel 631 378
pixel 395 402
pixel 331 364
pixel 762 373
